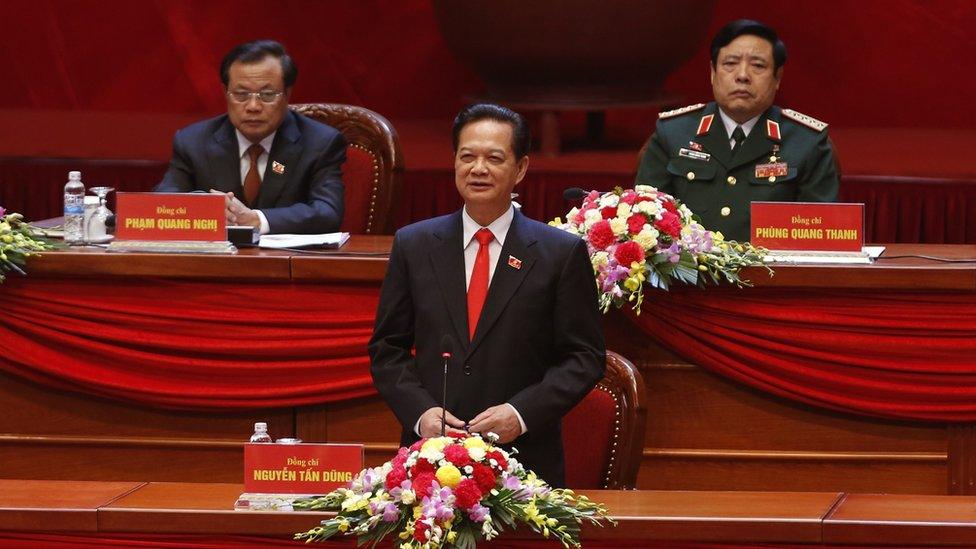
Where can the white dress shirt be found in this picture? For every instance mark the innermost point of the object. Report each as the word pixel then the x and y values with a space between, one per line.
pixel 731 124
pixel 243 145
pixel 499 229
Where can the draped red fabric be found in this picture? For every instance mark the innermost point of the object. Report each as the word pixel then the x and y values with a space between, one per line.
pixel 30 540
pixel 191 344
pixel 890 354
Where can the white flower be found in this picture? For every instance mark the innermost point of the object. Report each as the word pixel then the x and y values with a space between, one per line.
pixel 618 226
pixel 572 215
pixel 644 189
pixel 647 238
pixel 648 208
pixel 600 259
pixel 476 453
pixel 609 200
pixel 408 497
pixel 592 216
pixel 623 210
pixel 432 454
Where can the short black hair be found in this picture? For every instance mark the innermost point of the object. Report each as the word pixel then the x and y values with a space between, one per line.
pixel 739 27
pixel 521 138
pixel 253 52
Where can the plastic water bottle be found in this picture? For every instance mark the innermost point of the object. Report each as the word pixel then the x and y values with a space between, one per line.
pixel 261 433
pixel 74 209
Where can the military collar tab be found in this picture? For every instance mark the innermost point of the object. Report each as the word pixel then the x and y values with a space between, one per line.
pixel 705 124
pixel 678 112
pixel 772 130
pixel 805 120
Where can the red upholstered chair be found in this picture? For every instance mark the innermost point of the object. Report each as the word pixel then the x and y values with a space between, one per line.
pixel 373 172
pixel 603 435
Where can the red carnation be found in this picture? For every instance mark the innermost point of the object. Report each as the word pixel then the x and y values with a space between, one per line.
pixel 484 476
pixel 499 459
pixel 648 198
pixel 457 454
pixel 608 212
pixel 629 252
pixel 629 197
pixel 635 223
pixel 601 235
pixel 421 484
pixel 416 445
pixel 580 217
pixel 422 466
pixel 420 531
pixel 395 477
pixel 669 223
pixel 670 206
pixel 467 494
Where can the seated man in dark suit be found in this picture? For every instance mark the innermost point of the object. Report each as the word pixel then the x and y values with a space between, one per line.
pixel 515 296
pixel 281 172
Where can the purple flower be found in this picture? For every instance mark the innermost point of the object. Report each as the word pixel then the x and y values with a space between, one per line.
pixel 478 513
pixel 391 513
pixel 512 483
pixel 3 211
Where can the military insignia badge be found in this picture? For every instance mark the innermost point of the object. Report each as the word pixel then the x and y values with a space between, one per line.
pixel 695 146
pixel 773 169
pixel 705 124
pixel 514 262
pixel 695 155
pixel 277 167
pixel 772 130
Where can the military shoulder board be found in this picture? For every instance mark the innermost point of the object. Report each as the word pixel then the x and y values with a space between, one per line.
pixel 682 110
pixel 807 121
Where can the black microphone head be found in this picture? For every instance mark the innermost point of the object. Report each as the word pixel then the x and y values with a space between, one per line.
pixel 574 193
pixel 447 346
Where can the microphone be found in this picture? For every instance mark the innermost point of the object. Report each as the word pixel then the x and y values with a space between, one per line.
pixel 447 349
pixel 574 193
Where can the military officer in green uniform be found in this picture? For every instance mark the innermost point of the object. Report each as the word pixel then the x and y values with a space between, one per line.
pixel 721 156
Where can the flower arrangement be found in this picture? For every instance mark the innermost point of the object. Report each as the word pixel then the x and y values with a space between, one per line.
pixel 17 243
pixel 641 235
pixel 450 491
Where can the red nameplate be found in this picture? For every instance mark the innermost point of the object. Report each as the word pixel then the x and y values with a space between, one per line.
pixel 170 216
pixel 812 226
pixel 300 468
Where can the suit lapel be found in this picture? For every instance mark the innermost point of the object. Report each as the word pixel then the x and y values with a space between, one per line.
pixel 225 161
pixel 756 145
pixel 506 278
pixel 447 261
pixel 716 141
pixel 285 151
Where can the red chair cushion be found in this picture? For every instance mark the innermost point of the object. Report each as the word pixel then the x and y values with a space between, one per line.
pixel 358 175
pixel 587 432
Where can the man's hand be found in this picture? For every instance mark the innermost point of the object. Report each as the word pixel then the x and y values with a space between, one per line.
pixel 500 420
pixel 237 213
pixel 430 423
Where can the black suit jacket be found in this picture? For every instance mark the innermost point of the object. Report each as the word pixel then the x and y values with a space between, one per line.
pixel 538 344
pixel 306 198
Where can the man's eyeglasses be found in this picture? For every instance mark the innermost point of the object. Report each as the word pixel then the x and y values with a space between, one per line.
pixel 266 96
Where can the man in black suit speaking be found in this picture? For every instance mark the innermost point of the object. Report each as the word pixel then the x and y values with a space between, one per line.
pixel 280 171
pixel 514 298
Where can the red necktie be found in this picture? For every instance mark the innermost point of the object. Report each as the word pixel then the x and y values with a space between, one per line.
pixel 252 181
pixel 478 287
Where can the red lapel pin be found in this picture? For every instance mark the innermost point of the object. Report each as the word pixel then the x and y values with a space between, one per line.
pixel 514 262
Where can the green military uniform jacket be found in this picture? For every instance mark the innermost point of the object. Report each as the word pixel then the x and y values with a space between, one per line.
pixel 689 157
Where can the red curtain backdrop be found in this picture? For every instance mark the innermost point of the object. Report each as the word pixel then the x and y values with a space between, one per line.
pixel 29 540
pixel 905 355
pixel 860 63
pixel 186 344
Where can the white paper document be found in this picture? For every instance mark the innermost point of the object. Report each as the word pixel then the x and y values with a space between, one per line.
pixel 867 255
pixel 326 240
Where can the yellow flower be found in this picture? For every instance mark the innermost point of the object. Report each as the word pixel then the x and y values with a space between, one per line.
pixel 631 284
pixel 448 475
pixel 600 259
pixel 343 525
pixel 451 536
pixel 558 222
pixel 436 444
pixel 475 442
pixel 417 511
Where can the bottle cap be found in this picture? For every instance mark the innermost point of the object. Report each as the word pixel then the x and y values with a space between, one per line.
pixel 260 426
pixel 74 175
